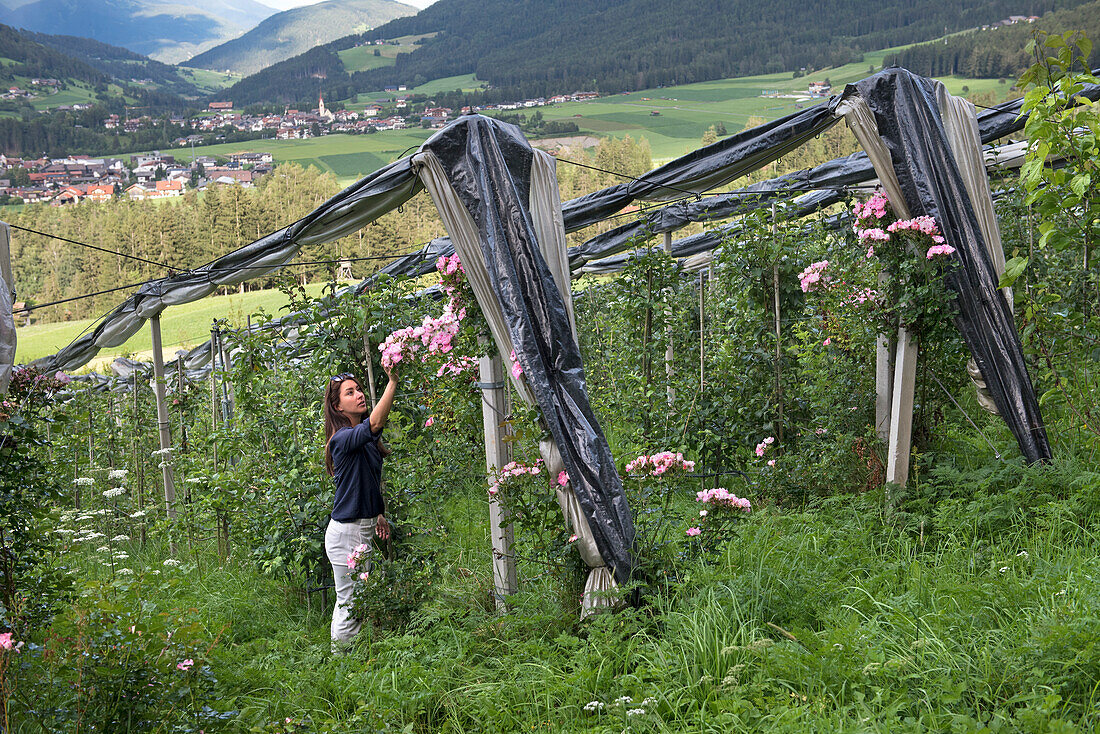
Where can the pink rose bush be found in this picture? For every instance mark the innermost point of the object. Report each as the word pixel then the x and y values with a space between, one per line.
pixel 871 225
pixel 7 643
pixel 717 522
pixel 510 473
pixel 660 463
pixel 435 338
pixel 812 276
pixel 762 447
pixel 358 556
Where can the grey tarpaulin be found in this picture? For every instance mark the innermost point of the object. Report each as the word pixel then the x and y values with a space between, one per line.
pixel 344 214
pixel 910 124
pixel 488 164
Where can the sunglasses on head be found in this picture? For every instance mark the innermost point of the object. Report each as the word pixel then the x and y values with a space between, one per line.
pixel 343 376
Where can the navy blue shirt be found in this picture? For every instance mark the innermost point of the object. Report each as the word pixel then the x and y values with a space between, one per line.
pixel 357 469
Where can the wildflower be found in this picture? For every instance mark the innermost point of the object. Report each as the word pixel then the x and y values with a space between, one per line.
pixel 196 480
pixel 827 342
pixel 185 665
pixel 1022 554
pixel 124 571
pixel 114 492
pixel 635 712
pixel 573 538
pixel 136 515
pixel 6 642
pixel 624 699
pixel 117 474
pixel 64 531
pixel 593 706
pixel 1004 569
pixel 173 562
pixel 121 556
pixel 162 452
pixel 692 532
pixel 649 701
pixel 103 549
pixel 428 423
pixel 83 481
pixel 702 513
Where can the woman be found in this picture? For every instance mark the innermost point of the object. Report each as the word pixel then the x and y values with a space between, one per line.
pixel 354 460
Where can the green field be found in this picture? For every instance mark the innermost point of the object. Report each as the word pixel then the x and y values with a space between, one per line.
pixel 207 80
pixel 182 326
pixel 361 58
pixel 348 157
pixel 76 93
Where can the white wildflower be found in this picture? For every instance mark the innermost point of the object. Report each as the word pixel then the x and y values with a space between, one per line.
pixel 635 712
pixel 121 556
pixel 85 517
pixel 173 562
pixel 1022 554
pixel 124 571
pixel 649 701
pixel 114 492
pixel 117 475
pixel 624 699
pixel 1061 593
pixel 120 538
pixel 1004 569
pixel 139 513
pixel 196 480
pixel 64 531
pixel 83 481
pixel 162 452
pixel 593 706
pixel 155 572
pixel 163 465
pixel 103 549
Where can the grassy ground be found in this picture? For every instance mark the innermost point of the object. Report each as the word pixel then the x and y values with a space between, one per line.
pixel 207 80
pixel 182 327
pixel 362 58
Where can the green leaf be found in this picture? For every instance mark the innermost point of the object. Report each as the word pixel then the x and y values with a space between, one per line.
pixel 1080 183
pixel 1014 268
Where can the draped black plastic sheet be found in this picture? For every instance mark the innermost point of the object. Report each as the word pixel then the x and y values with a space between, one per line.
pixel 909 122
pixel 488 163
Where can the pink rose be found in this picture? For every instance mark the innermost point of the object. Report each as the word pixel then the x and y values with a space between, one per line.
pixel 185 665
pixel 692 532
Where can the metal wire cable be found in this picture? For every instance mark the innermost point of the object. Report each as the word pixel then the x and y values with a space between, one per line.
pixel 95 247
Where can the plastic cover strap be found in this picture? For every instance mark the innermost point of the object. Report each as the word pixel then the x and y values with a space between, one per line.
pixel 911 126
pixel 488 163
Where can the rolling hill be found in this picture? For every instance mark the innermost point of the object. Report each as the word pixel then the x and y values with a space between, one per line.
pixel 292 32
pixel 524 48
pixel 161 29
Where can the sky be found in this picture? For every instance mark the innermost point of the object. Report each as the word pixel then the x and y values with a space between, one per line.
pixel 288 4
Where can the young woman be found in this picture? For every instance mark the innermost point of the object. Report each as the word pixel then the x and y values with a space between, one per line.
pixel 353 458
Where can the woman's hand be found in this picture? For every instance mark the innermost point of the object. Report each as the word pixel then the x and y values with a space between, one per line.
pixel 382 528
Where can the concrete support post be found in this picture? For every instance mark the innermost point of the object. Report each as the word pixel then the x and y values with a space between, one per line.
pixel 498 452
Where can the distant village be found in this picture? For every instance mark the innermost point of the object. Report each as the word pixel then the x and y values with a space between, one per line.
pixel 77 178
pixel 395 113
pixel 146 176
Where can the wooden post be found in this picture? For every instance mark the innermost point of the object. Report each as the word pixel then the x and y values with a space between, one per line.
pixel 370 370
pixel 901 411
pixel 165 431
pixel 139 479
pixel 702 331
pixel 214 388
pixel 494 411
pixel 778 342
pixel 884 377
pixel 179 398
pixel 5 258
pixel 227 398
pixel 91 433
pixel 669 352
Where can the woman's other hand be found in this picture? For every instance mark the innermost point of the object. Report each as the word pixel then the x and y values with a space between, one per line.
pixel 382 528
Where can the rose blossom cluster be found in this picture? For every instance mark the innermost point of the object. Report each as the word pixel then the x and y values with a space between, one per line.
pixel 7 643
pixel 358 556
pixel 510 471
pixel 812 275
pixel 434 336
pixel 659 463
pixel 868 229
pixel 763 445
pixel 722 496
pixel 517 370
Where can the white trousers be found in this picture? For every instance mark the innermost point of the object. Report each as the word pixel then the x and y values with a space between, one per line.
pixel 341 538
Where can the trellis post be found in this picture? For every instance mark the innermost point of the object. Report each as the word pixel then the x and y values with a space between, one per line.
pixel 370 370
pixel 669 351
pixel 901 410
pixel 165 431
pixel 498 452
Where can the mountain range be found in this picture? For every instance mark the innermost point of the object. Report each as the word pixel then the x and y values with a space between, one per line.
pixel 295 31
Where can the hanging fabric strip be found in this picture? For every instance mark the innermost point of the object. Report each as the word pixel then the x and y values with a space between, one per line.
pixel 489 166
pixel 911 126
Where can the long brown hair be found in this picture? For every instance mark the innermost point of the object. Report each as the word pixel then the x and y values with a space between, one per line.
pixel 334 419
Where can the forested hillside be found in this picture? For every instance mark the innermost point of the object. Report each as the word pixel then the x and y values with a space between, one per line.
pixel 528 49
pixel 996 52
pixel 295 31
